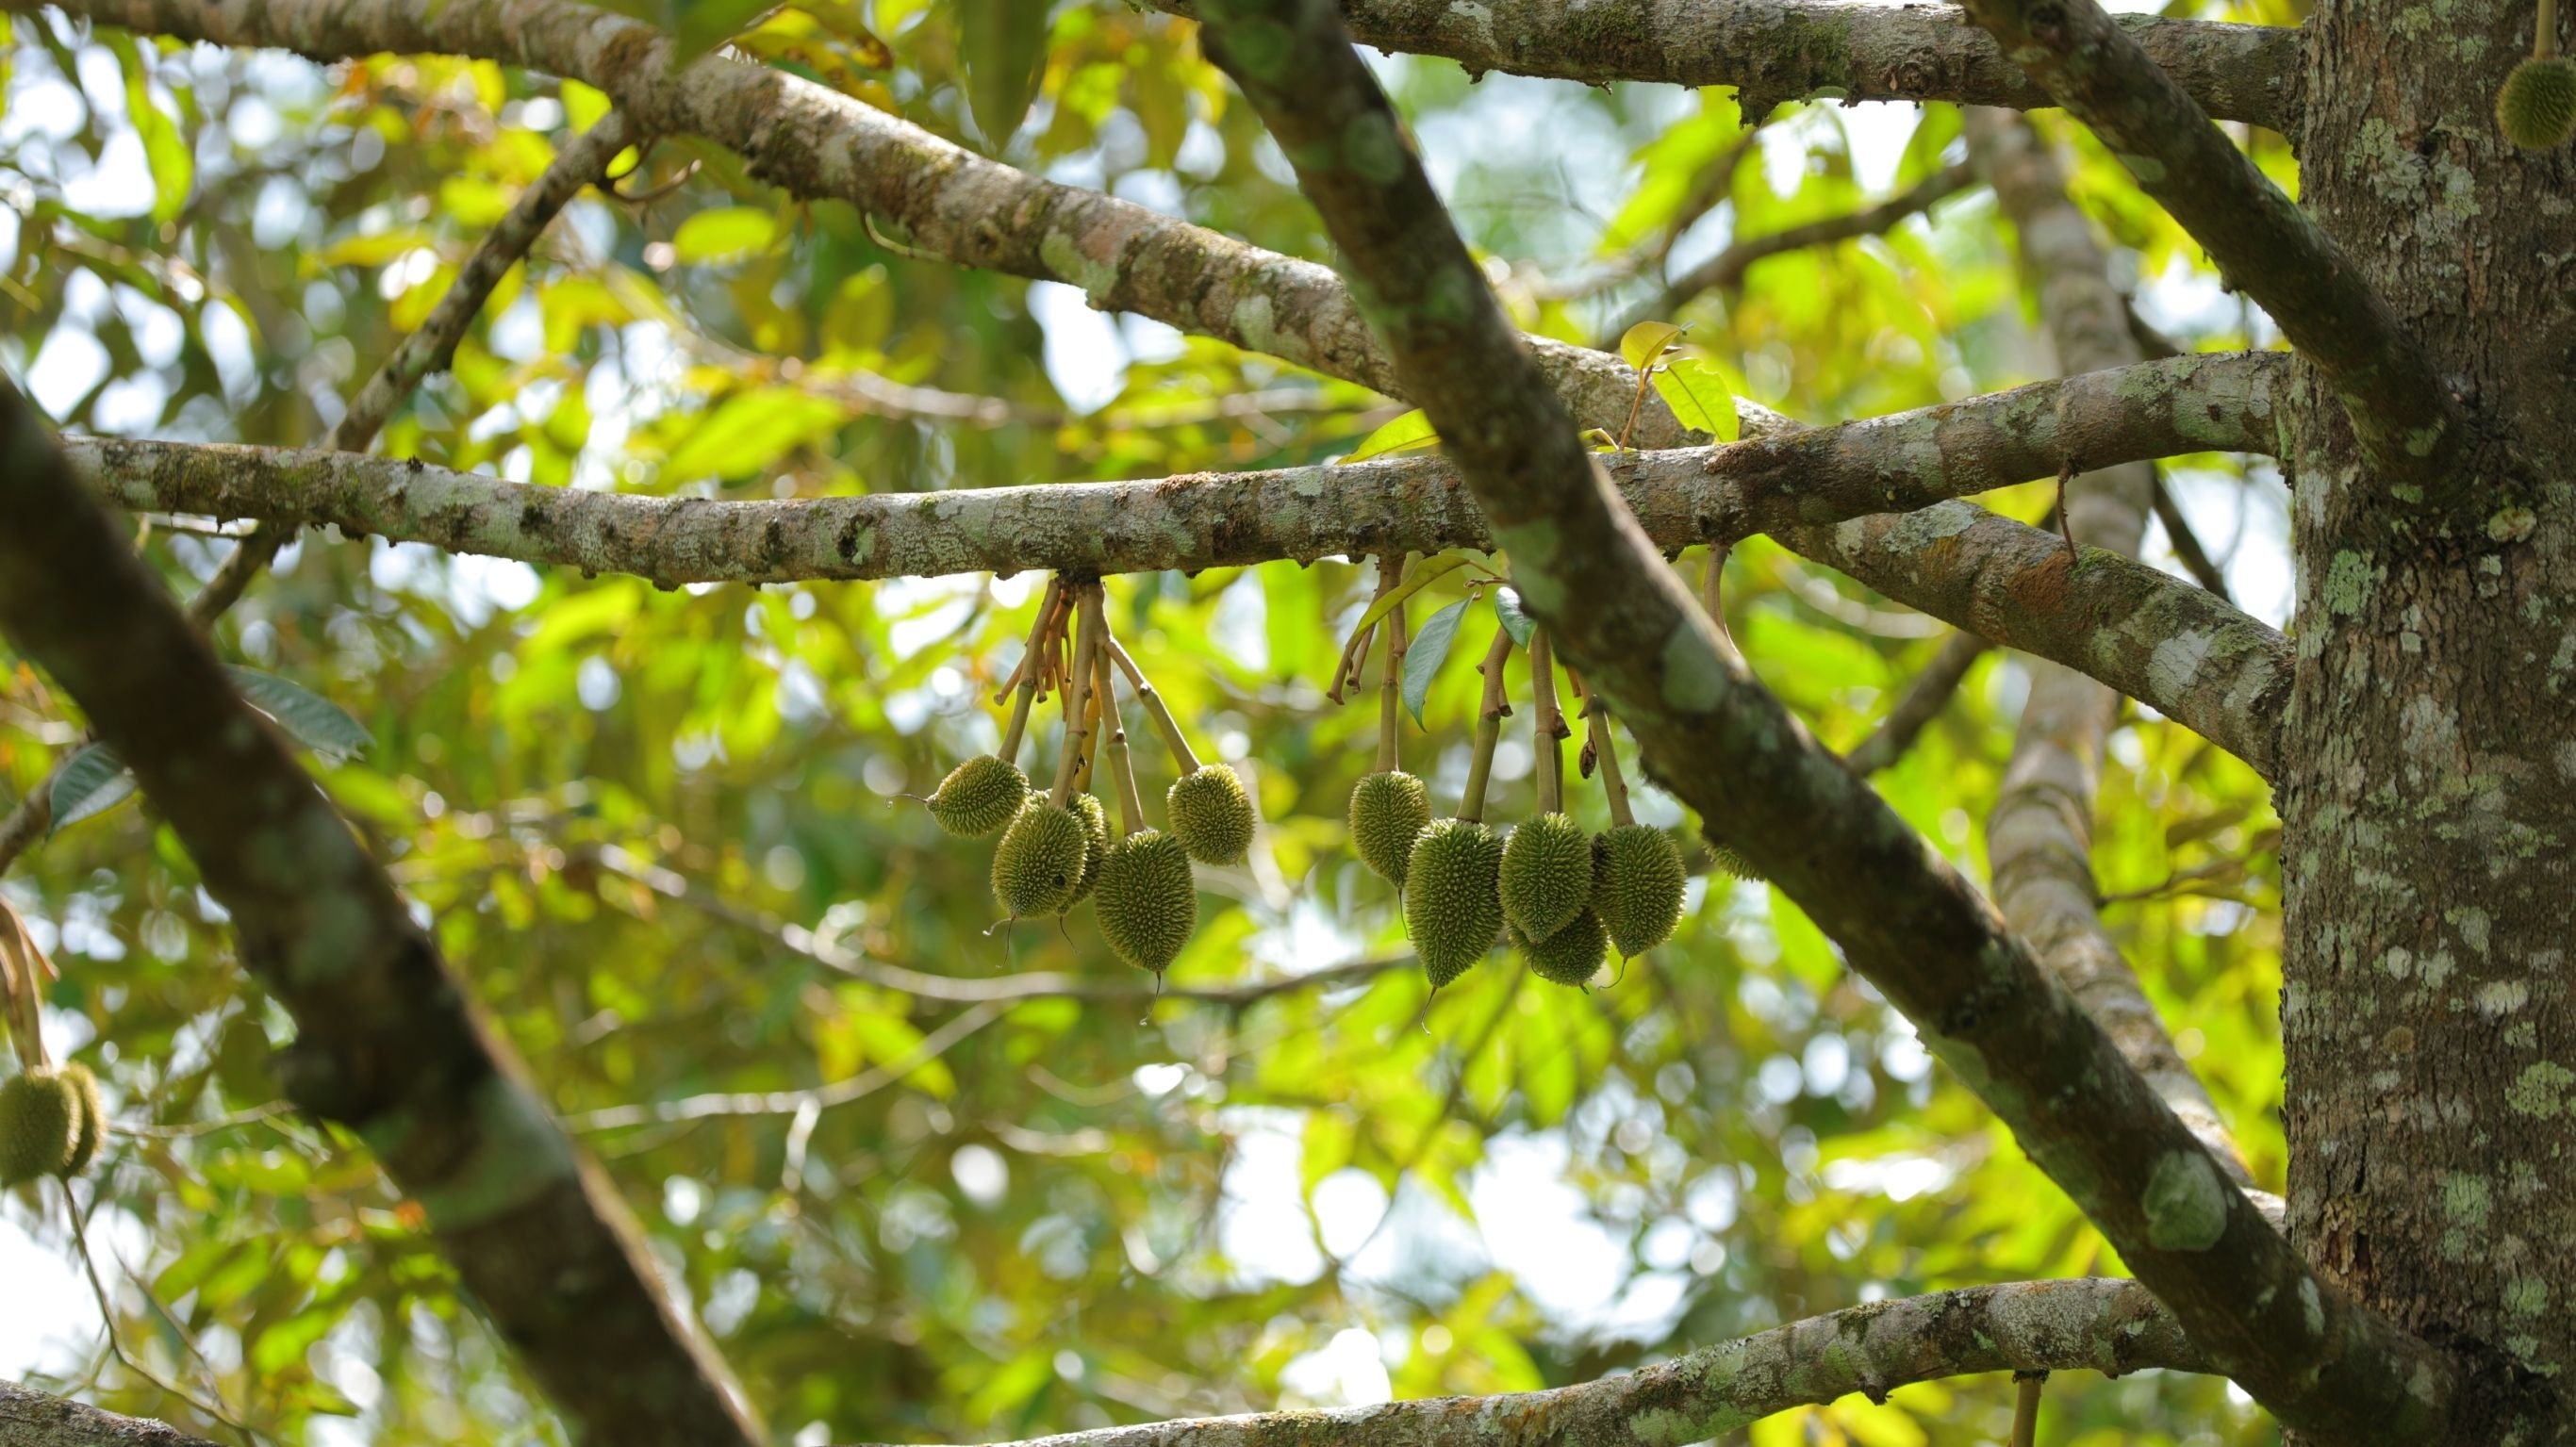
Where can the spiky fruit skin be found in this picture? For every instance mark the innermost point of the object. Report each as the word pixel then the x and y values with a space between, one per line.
pixel 1727 860
pixel 1453 896
pixel 1147 903
pixel 1388 812
pixel 1095 844
pixel 2536 110
pixel 1038 864
pixel 89 1117
pixel 1572 955
pixel 36 1125
pixel 1637 882
pixel 1547 875
pixel 979 796
pixel 1211 814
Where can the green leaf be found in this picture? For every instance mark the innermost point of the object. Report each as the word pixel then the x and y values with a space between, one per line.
pixel 1429 649
pixel 1002 46
pixel 314 721
pixel 727 233
pixel 1404 434
pixel 1645 343
pixel 92 783
pixel 1702 395
pixel 173 168
pixel 748 434
pixel 1424 572
pixel 1507 607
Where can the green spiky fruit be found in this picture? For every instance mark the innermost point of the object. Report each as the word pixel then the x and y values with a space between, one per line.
pixel 1388 812
pixel 1095 844
pixel 978 796
pixel 89 1117
pixel 1547 875
pixel 36 1125
pixel 1572 955
pixel 1147 902
pixel 2537 107
pixel 1038 864
pixel 1453 900
pixel 1724 857
pixel 1637 887
pixel 1211 814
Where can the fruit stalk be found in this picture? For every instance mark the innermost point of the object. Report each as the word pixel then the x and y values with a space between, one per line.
pixel 1354 660
pixel 1546 725
pixel 2544 33
pixel 1086 641
pixel 1183 760
pixel 1712 585
pixel 1489 728
pixel 1091 732
pixel 1122 770
pixel 1390 677
pixel 1605 755
pixel 1025 677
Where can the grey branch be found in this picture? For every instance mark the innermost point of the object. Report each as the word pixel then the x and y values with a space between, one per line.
pixel 387 1041
pixel 2086 1324
pixel 33 1419
pixel 1781 50
pixel 820 145
pixel 1925 695
pixel 1904 919
pixel 2402 410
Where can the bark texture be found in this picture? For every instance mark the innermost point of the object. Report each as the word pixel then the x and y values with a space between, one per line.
pixel 33 1419
pixel 2429 812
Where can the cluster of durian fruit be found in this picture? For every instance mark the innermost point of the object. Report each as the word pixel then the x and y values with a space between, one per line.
pixel 1056 848
pixel 50 1123
pixel 1559 895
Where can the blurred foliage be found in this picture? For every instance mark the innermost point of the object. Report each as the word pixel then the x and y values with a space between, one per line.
pixel 1072 1217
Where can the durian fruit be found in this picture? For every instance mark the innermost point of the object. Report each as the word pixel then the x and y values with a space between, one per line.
pixel 1038 864
pixel 1095 844
pixel 2536 109
pixel 1546 876
pixel 1453 903
pixel 1636 887
pixel 1389 810
pixel 1147 904
pixel 978 796
pixel 89 1120
pixel 37 1125
pixel 1726 859
pixel 1211 814
pixel 1571 956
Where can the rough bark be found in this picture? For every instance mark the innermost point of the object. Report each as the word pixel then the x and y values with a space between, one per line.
pixel 1903 918
pixel 2429 813
pixel 1780 50
pixel 388 1043
pixel 818 144
pixel 33 1419
pixel 2088 1324
pixel 2039 834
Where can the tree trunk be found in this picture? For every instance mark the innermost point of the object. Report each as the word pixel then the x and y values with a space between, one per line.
pixel 2428 793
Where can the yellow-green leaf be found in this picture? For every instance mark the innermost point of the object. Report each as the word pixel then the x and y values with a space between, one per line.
pixel 1404 434
pixel 728 233
pixel 1645 343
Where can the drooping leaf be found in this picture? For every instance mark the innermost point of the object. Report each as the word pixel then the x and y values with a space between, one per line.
pixel 174 169
pixel 1429 649
pixel 91 784
pixel 1404 434
pixel 1423 573
pixel 312 720
pixel 727 233
pixel 1519 624
pixel 1002 45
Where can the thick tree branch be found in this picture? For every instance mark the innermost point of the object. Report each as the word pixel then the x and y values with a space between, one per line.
pixel 33 1419
pixel 1782 50
pixel 388 1043
pixel 1725 271
pixel 1902 916
pixel 2150 635
pixel 2087 1324
pixel 2402 410
pixel 2039 835
pixel 820 145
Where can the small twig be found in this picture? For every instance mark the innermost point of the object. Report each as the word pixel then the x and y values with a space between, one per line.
pixel 1122 770
pixel 1712 590
pixel 115 1342
pixel 1925 696
pixel 794 1102
pixel 2066 514
pixel 1489 728
pixel 1354 659
pixel 270 1111
pixel 2186 543
pixel 1025 678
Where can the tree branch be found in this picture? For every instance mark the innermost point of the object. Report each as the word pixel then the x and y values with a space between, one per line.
pixel 1902 916
pixel 387 1042
pixel 2402 410
pixel 33 1419
pixel 1925 695
pixel 2039 835
pixel 1781 50
pixel 2087 1324
pixel 820 145
pixel 1725 271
